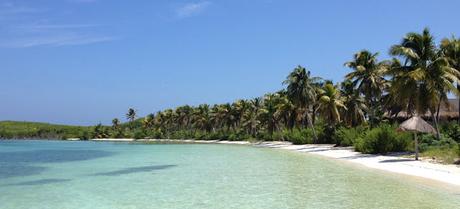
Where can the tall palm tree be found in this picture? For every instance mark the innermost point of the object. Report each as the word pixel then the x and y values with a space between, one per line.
pixel 354 103
pixel 424 80
pixel 368 76
pixel 450 48
pixel 202 118
pixel 131 115
pixel 301 90
pixel 330 104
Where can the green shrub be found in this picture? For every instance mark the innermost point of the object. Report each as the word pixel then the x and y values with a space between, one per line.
pixel 451 130
pixel 428 141
pixel 458 150
pixel 347 136
pixel 138 134
pixel 382 140
pixel 299 136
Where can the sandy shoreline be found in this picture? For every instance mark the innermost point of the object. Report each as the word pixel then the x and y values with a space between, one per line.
pixel 449 174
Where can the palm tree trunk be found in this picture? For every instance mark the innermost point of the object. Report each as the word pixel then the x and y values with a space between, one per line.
pixel 416 145
pixel 312 128
pixel 458 88
pixel 435 121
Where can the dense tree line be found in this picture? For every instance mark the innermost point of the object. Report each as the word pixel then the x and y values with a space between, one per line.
pixel 417 80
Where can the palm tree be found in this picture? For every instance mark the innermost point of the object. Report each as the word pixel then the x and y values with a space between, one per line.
pixel 330 104
pixel 148 121
pixel 202 118
pixel 115 123
pixel 354 103
pixel 368 76
pixel 251 120
pixel 131 115
pixel 285 110
pixel 424 80
pixel 450 48
pixel 268 113
pixel 301 90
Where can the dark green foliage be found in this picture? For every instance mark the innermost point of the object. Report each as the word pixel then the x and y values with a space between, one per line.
pixel 382 140
pixel 138 134
pixel 428 141
pixel 299 136
pixel 451 130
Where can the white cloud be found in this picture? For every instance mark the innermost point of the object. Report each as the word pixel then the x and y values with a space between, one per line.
pixel 191 9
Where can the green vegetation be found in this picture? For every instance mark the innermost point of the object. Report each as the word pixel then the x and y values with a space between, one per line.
pixel 358 111
pixel 18 130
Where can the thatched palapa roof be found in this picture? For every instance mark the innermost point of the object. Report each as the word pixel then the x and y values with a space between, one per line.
pixel 417 124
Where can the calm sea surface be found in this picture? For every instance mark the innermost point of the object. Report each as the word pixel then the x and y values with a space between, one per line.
pixel 67 175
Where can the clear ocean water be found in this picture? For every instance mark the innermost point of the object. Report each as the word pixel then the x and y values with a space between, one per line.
pixel 67 175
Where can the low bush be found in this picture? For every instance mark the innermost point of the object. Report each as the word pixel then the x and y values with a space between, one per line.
pixel 138 134
pixel 451 130
pixel 382 140
pixel 347 136
pixel 428 141
pixel 299 136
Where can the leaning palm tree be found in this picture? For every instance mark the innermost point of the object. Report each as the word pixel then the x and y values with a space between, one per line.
pixel 422 83
pixel 368 76
pixel 450 48
pixel 330 104
pixel 301 90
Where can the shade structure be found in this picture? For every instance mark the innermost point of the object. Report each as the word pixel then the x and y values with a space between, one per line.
pixel 417 124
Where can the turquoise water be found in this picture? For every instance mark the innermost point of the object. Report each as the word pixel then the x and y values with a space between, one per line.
pixel 66 175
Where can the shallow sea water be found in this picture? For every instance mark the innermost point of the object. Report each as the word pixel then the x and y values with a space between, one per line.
pixel 67 175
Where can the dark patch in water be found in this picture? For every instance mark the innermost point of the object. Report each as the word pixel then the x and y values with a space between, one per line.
pixel 135 170
pixel 39 182
pixel 51 156
pixel 20 163
pixel 7 171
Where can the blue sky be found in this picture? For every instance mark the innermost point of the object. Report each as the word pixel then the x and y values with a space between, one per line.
pixel 87 61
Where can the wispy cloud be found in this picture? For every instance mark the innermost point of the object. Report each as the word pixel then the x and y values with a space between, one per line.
pixel 57 40
pixel 23 27
pixel 191 9
pixel 55 26
pixel 10 8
